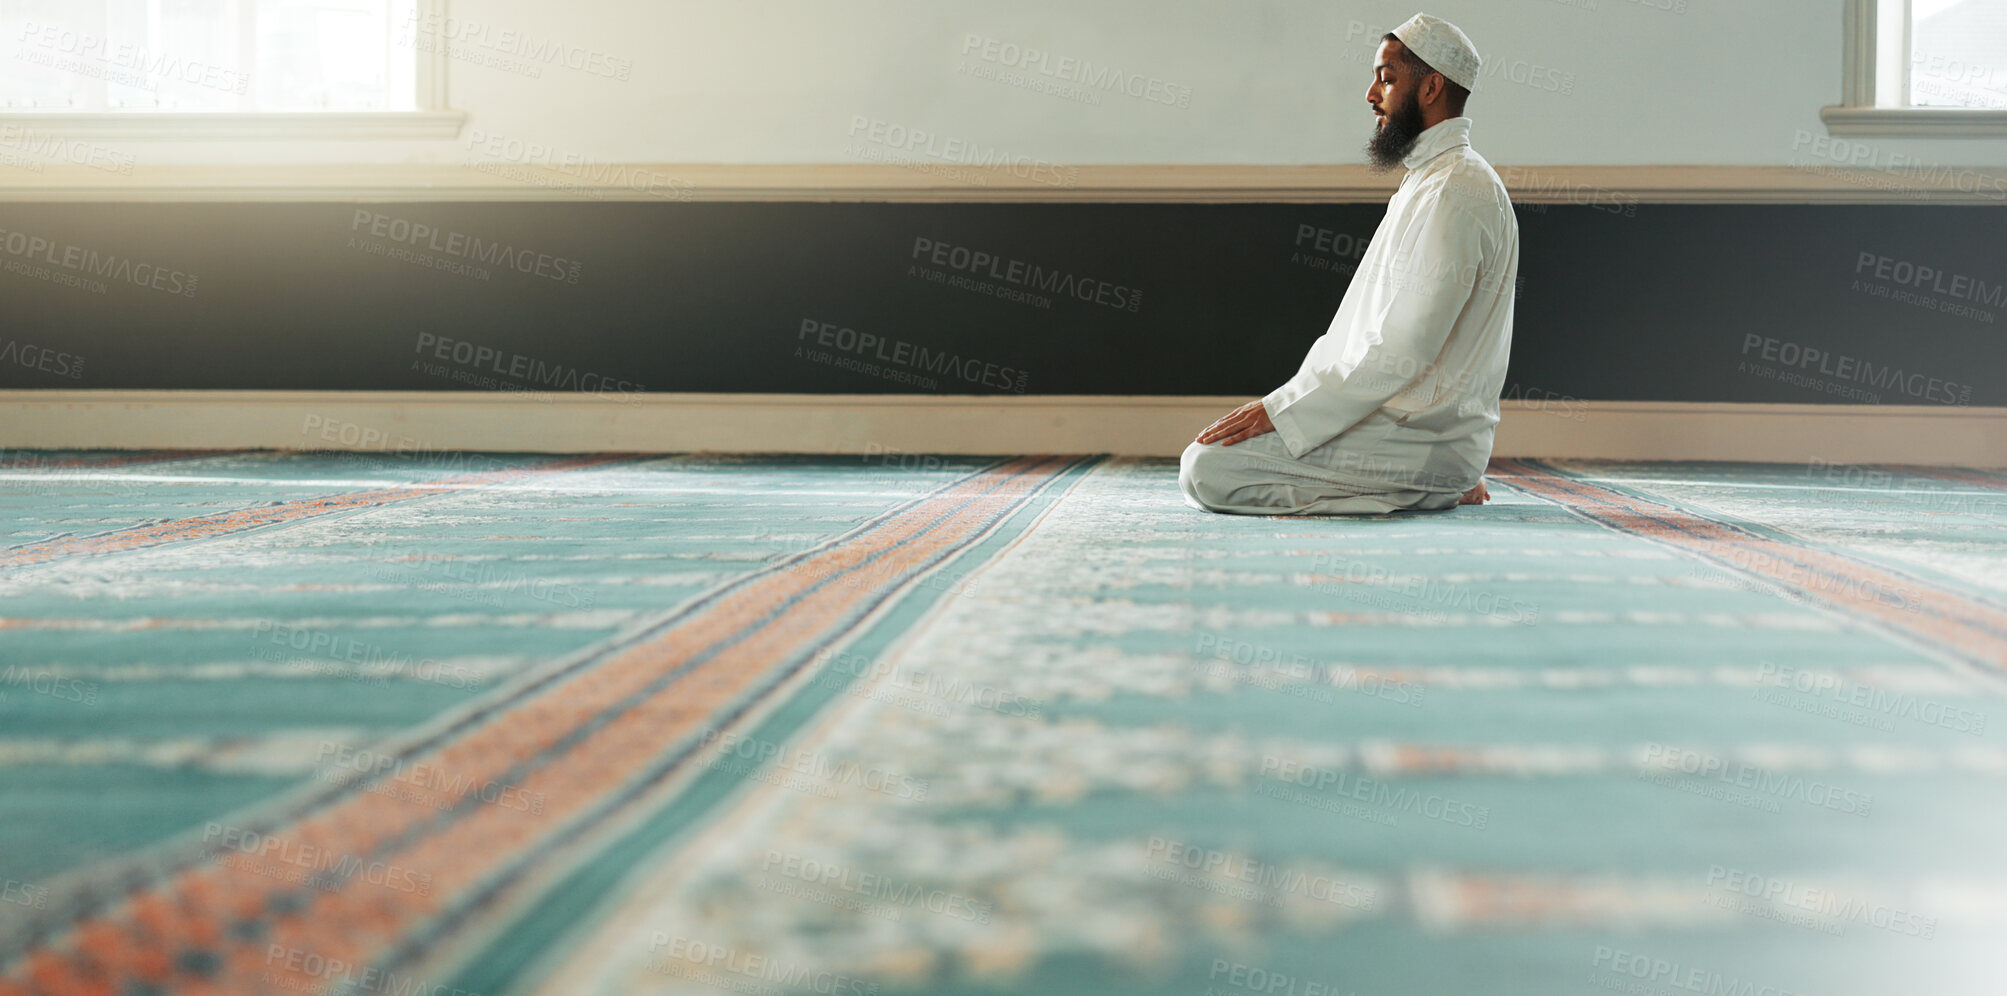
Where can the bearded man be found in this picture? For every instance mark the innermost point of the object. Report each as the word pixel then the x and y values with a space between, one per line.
pixel 1395 406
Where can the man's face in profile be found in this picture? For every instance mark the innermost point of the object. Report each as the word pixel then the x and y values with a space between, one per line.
pixel 1397 107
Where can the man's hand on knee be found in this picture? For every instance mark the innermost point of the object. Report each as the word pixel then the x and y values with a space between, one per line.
pixel 1246 422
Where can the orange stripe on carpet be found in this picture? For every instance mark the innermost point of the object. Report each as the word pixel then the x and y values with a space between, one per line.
pixel 572 748
pixel 1929 614
pixel 239 520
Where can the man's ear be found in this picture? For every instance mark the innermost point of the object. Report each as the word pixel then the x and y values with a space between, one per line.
pixel 1434 87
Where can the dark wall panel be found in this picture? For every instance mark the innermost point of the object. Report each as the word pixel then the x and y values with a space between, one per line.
pixel 1895 304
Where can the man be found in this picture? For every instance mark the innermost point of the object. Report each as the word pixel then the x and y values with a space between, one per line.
pixel 1395 405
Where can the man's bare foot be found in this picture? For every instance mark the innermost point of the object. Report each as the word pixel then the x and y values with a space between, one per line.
pixel 1475 496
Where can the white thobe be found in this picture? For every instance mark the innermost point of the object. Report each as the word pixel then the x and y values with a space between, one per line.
pixel 1396 403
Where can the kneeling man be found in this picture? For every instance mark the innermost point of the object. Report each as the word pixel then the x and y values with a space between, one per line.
pixel 1395 405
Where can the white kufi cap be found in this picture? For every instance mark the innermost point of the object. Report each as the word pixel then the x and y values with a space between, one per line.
pixel 1443 46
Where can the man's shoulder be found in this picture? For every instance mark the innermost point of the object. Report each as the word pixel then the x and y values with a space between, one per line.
pixel 1465 179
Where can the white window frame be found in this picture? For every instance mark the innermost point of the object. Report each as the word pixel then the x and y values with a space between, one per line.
pixel 433 118
pixel 1874 74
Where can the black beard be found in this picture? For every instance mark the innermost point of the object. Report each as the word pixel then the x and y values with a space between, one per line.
pixel 1394 138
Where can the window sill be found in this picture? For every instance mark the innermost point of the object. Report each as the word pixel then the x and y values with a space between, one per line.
pixel 1916 122
pixel 239 125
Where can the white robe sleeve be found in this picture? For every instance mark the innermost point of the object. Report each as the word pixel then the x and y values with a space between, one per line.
pixel 1410 307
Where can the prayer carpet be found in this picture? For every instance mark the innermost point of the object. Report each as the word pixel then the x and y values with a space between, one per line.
pixel 610 724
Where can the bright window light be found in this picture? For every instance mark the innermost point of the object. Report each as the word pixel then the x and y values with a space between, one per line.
pixel 1958 53
pixel 208 55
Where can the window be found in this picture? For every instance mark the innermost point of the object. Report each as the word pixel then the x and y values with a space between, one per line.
pixel 185 68
pixel 1924 68
pixel 1957 53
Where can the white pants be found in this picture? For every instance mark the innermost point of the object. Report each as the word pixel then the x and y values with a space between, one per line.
pixel 1258 477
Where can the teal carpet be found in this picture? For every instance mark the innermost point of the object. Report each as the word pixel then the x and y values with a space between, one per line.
pixel 660 724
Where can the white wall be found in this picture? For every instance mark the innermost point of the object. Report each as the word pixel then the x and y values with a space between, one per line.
pixel 1725 82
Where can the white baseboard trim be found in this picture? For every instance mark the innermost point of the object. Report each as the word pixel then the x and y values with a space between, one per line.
pixel 426 421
